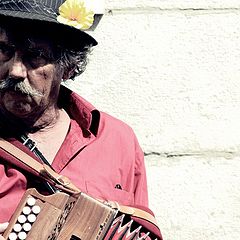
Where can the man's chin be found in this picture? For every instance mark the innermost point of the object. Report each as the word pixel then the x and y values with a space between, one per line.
pixel 19 107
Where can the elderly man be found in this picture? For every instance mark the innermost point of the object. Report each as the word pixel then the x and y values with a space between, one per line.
pixel 43 43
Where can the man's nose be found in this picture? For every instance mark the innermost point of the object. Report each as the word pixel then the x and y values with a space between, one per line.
pixel 17 68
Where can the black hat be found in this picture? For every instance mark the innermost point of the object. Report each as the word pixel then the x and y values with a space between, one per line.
pixel 71 17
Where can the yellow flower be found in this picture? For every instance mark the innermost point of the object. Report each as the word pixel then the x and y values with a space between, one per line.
pixel 74 13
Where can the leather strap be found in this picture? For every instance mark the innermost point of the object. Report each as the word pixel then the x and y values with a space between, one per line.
pixel 42 170
pixel 32 146
pixel 63 182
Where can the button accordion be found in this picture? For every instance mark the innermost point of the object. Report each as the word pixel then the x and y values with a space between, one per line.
pixel 73 217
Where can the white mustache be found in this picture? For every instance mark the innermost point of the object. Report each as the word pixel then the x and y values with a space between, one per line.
pixel 19 86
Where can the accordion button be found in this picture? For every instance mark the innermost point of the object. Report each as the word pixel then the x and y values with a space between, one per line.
pixel 31 201
pixel 22 219
pixel 27 227
pixel 22 235
pixel 17 227
pixel 31 218
pixel 12 236
pixel 26 210
pixel 36 209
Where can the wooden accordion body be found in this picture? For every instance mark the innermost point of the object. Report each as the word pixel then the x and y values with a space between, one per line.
pixel 64 217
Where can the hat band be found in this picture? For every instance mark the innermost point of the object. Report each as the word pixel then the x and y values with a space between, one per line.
pixel 30 7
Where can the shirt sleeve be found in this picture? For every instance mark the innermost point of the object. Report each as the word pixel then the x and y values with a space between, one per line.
pixel 140 184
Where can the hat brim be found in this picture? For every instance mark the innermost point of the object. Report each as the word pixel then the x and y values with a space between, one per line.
pixel 67 33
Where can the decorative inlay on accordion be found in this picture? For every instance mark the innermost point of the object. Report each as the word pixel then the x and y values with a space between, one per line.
pixel 64 217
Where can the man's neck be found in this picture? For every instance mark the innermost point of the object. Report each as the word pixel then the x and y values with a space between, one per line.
pixel 50 138
pixel 48 118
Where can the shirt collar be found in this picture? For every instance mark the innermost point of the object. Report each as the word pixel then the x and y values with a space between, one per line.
pixel 83 112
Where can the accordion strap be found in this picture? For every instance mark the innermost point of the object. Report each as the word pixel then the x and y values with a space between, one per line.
pixel 43 170
pixel 46 172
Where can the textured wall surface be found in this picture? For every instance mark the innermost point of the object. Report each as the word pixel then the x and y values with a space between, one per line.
pixel 171 70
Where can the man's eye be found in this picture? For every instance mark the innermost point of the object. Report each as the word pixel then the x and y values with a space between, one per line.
pixel 6 51
pixel 37 58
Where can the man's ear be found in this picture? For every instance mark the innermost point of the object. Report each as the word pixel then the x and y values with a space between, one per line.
pixel 68 74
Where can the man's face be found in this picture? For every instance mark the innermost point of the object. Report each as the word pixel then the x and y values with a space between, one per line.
pixel 29 76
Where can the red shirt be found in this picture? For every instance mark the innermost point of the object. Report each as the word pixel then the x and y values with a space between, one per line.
pixel 100 154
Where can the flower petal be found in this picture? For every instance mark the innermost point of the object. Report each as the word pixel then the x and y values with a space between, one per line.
pixel 74 13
